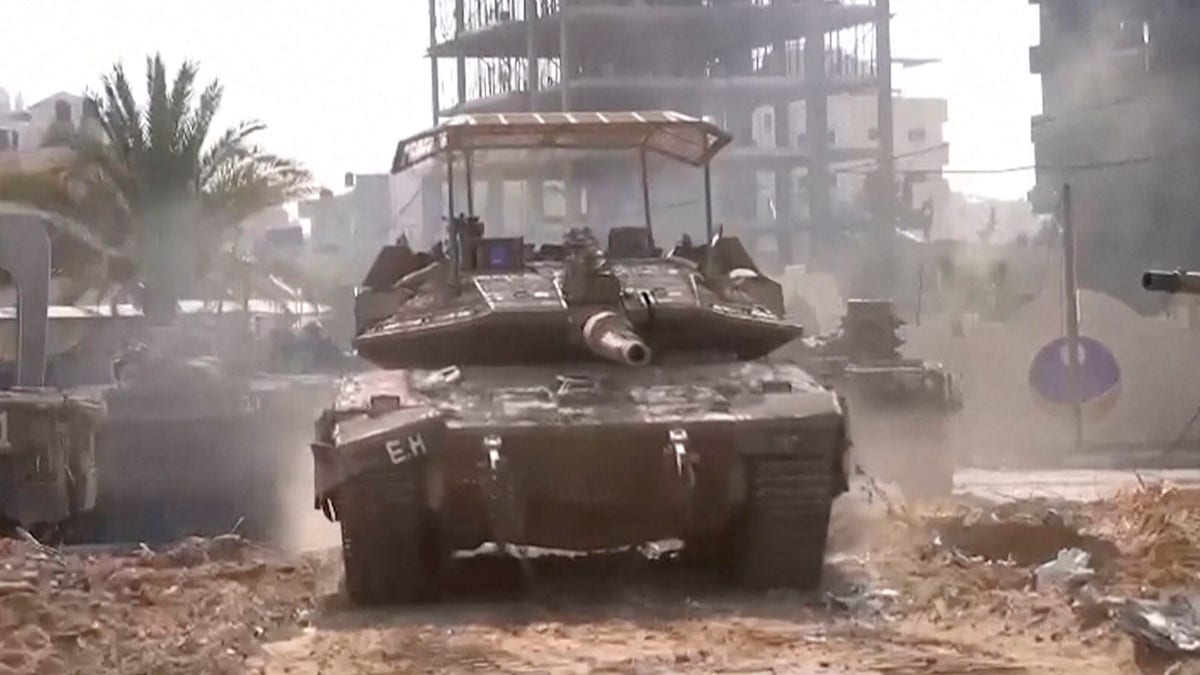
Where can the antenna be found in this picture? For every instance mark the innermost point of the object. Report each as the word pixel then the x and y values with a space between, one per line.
pixel 646 195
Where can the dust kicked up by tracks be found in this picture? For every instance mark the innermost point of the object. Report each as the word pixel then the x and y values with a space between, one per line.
pixel 944 590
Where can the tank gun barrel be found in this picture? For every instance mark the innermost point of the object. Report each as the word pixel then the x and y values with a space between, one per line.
pixel 1178 281
pixel 609 335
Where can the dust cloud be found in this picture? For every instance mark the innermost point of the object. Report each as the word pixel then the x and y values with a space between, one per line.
pixel 302 528
pixel 1002 423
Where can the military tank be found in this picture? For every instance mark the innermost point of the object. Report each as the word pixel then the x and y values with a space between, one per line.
pixel 196 445
pixel 902 406
pixel 47 435
pixel 573 396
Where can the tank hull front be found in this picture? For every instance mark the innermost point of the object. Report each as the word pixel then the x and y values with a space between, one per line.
pixel 704 455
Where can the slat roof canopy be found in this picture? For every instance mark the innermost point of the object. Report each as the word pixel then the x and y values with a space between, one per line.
pixel 680 137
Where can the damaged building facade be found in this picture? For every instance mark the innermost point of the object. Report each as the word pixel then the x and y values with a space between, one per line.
pixel 1120 91
pixel 730 61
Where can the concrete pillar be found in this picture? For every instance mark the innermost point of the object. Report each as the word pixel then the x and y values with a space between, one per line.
pixel 535 200
pixel 816 106
pixel 785 212
pixel 572 191
pixel 493 217
pixel 433 207
pixel 460 27
pixel 565 60
pixel 532 79
pixel 738 182
pixel 887 131
pixel 433 63
pixel 574 198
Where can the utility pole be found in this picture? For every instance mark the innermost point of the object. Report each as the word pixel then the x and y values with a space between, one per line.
pixel 887 130
pixel 433 61
pixel 1072 293
pixel 816 107
pixel 535 204
pixel 460 27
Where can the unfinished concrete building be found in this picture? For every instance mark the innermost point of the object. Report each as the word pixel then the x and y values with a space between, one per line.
pixel 1120 124
pixel 718 59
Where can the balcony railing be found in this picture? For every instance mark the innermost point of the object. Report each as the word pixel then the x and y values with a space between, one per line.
pixel 844 3
pixel 849 54
pixel 490 77
pixel 483 14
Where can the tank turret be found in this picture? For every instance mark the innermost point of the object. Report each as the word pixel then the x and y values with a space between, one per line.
pixel 496 301
pixel 1179 281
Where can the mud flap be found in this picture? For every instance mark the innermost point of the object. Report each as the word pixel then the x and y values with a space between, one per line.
pixel 680 473
pixel 506 517
pixel 326 476
pixel 82 471
pixel 383 441
pixel 42 492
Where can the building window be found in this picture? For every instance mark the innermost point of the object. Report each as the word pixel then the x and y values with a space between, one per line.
pixel 873 134
pixel 802 138
pixel 1071 17
pixel 769 123
pixel 62 111
pixel 916 135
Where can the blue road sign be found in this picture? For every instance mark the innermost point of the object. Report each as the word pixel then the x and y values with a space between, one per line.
pixel 1099 376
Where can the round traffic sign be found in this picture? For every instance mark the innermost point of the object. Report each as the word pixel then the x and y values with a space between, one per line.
pixel 1099 376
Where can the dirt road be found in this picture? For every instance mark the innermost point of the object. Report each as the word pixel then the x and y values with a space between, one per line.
pixel 930 591
pixel 882 611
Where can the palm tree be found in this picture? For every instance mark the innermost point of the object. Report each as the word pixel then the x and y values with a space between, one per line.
pixel 149 180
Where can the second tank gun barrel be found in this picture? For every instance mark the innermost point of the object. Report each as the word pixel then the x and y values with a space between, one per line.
pixel 608 334
pixel 1178 281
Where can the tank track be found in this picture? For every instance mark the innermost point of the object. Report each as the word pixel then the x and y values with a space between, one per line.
pixel 390 547
pixel 781 542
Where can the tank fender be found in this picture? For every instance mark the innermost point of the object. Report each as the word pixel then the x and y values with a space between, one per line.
pixel 374 442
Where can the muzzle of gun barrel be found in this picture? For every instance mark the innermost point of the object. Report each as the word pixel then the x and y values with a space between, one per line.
pixel 609 335
pixel 1178 281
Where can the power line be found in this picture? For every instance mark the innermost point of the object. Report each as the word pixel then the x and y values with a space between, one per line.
pixel 904 155
pixel 1092 166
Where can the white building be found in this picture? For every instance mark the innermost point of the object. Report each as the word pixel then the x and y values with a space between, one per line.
pixel 24 131
pixel 919 139
pixel 26 127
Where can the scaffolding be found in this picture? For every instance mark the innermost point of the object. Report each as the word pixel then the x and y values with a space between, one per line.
pixel 557 55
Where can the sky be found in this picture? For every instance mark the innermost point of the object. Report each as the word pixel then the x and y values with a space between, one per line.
pixel 338 83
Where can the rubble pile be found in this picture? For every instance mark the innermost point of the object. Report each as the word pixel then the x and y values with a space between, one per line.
pixel 1158 531
pixel 1096 573
pixel 205 605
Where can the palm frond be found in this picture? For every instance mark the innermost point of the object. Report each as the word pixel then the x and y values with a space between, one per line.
pixel 197 126
pixel 121 118
pixel 230 147
pixel 181 100
pixel 155 186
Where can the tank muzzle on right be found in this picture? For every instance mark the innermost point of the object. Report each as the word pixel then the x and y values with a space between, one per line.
pixel 1178 281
